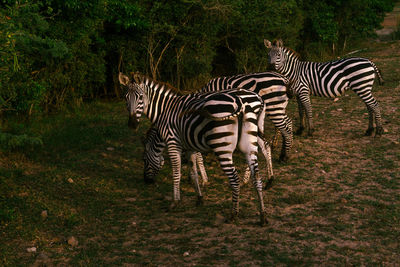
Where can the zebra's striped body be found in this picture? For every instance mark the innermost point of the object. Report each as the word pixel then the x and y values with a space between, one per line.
pixel 217 122
pixel 271 86
pixel 328 79
pixel 154 160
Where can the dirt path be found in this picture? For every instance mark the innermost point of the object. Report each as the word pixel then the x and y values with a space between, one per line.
pixel 391 22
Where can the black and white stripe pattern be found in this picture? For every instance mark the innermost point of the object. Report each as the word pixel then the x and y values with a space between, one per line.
pixel 219 122
pixel 328 79
pixel 153 158
pixel 271 86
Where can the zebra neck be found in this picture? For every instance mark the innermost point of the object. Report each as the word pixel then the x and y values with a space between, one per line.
pixel 291 68
pixel 159 98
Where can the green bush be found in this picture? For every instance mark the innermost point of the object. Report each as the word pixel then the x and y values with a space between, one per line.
pixel 58 52
pixel 18 141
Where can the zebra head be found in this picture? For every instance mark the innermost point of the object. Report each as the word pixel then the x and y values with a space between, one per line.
pixel 134 99
pixel 276 56
pixel 152 156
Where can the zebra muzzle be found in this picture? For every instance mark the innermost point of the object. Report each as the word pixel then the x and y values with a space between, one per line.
pixel 133 122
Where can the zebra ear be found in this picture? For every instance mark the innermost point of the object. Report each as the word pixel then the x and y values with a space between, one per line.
pixel 123 79
pixel 137 77
pixel 267 43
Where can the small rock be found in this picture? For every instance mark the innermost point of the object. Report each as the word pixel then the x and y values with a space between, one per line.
pixel 133 250
pixel 385 130
pixel 186 254
pixel 309 218
pixel 72 241
pixel 44 214
pixel 339 109
pixel 70 180
pixel 133 223
pixel 110 148
pixel 31 250
pixel 343 200
pixel 336 99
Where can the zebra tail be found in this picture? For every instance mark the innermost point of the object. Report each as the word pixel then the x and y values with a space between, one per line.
pixel 378 72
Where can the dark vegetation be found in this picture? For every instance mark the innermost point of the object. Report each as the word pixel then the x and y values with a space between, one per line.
pixel 65 147
pixel 58 52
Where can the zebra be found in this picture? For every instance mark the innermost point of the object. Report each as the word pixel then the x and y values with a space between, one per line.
pixel 328 79
pixel 153 157
pixel 272 87
pixel 217 122
pixel 154 160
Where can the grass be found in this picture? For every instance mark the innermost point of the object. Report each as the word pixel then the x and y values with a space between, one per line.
pixel 336 202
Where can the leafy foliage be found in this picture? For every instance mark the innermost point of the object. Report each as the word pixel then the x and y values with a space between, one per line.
pixel 56 52
pixel 12 141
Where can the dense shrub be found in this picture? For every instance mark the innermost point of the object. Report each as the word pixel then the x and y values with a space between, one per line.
pixel 55 52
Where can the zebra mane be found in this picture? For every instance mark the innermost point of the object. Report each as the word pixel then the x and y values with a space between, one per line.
pixel 291 52
pixel 148 80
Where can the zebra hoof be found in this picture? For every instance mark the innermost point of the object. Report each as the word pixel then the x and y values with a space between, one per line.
pixel 269 183
pixel 379 131
pixel 173 205
pixel 283 157
pixel 369 131
pixel 199 201
pixel 233 218
pixel 263 218
pixel 299 131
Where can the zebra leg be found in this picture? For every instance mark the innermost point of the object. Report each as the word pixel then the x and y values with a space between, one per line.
pixel 266 150
pixel 306 102
pixel 246 175
pixel 275 139
pixel 374 113
pixel 287 139
pixel 203 173
pixel 301 116
pixel 258 186
pixel 228 168
pixel 370 129
pixel 378 120
pixel 195 177
pixel 175 157
pixel 253 165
